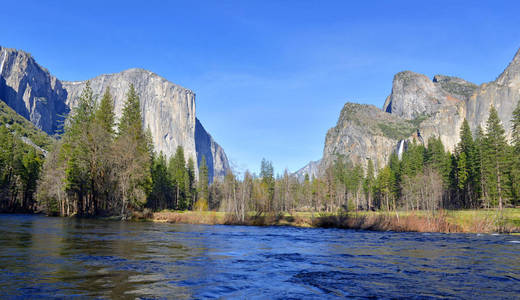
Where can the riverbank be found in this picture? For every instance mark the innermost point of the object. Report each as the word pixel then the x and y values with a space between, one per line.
pixel 462 221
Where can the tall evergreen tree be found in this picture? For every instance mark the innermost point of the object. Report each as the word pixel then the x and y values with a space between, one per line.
pixel 101 141
pixel 267 175
pixel 368 184
pixel 394 177
pixel 495 160
pixel 76 147
pixel 438 158
pixel 177 169
pixel 479 167
pixel 203 182
pixel 384 186
pixel 189 184
pixel 131 121
pixel 132 156
pixel 467 167
pixel 515 155
pixel 20 166
pixel 162 193
pixel 105 116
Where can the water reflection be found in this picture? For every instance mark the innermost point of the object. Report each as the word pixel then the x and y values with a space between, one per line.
pixel 61 257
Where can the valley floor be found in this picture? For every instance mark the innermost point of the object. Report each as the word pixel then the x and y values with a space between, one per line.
pixel 467 221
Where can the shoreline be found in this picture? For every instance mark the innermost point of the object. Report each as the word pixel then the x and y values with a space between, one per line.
pixel 446 221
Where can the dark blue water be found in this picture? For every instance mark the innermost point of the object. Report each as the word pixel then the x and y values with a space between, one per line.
pixel 60 257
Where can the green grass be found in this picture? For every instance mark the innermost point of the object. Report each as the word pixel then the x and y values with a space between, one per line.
pixel 466 218
pixel 397 131
pixel 418 120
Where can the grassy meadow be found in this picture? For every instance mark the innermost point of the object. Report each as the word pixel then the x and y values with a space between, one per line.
pixel 468 221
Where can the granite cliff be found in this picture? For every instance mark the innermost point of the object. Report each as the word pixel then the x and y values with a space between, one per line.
pixel 167 109
pixel 31 90
pixel 416 109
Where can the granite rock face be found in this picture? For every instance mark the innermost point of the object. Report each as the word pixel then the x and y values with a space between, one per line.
pixel 312 169
pixel 365 132
pixel 31 90
pixel 431 108
pixel 168 110
pixel 414 95
pixel 503 93
pixel 206 147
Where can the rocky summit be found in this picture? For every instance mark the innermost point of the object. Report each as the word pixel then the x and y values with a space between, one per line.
pixel 168 110
pixel 31 90
pixel 416 109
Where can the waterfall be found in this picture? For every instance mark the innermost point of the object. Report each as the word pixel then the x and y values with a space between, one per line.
pixel 400 149
pixel 4 56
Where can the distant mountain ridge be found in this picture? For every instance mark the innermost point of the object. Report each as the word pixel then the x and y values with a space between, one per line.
pixel 419 108
pixel 168 109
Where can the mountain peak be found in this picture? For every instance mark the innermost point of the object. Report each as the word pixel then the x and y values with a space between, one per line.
pixel 168 110
pixel 511 75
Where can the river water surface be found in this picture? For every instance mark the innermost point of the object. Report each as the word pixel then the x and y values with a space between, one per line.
pixel 63 257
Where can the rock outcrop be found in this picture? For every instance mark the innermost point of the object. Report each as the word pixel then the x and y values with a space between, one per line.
pixel 365 132
pixel 168 110
pixel 311 169
pixel 31 91
pixel 503 93
pixel 419 108
pixel 206 147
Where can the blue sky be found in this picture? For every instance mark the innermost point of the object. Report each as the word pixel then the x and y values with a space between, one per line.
pixel 270 76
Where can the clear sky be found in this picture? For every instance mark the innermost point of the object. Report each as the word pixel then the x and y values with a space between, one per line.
pixel 270 76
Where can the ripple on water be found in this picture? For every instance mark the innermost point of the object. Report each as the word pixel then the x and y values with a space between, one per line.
pixel 47 257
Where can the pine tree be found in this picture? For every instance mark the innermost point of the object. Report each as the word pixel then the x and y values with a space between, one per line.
pixel 177 169
pixel 395 175
pixel 161 194
pixel 515 155
pixel 76 148
pixel 20 166
pixel 203 183
pixel 495 160
pixel 105 116
pixel 385 186
pixel 438 158
pixel 467 178
pixel 132 156
pixel 479 167
pixel 462 171
pixel 82 115
pixel 190 183
pixel 307 190
pixel 101 139
pixel 354 184
pixel 130 123
pixel 267 175
pixel 368 184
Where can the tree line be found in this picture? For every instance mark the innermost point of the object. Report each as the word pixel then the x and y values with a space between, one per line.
pixel 483 171
pixel 100 167
pixel 20 166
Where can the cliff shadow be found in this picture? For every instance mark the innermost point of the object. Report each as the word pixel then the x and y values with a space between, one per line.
pixel 10 97
pixel 203 148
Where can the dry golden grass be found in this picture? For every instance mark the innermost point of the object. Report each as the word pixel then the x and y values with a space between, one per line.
pixel 421 221
pixel 189 217
pixel 384 222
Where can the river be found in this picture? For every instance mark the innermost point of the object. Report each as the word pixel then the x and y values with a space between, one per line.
pixel 63 257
